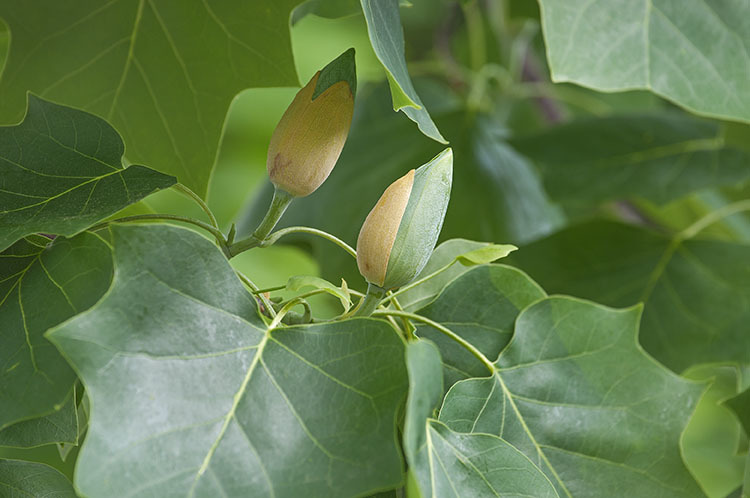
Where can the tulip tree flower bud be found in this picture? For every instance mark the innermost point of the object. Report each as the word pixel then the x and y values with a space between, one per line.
pixel 399 234
pixel 310 135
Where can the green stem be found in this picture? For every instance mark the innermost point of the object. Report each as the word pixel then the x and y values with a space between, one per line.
pixel 182 188
pixel 284 310
pixel 269 289
pixel 561 94
pixel 371 300
pixel 313 231
pixel 266 303
pixel 160 217
pixel 405 321
pixel 713 217
pixel 279 203
pixel 448 332
pixel 475 30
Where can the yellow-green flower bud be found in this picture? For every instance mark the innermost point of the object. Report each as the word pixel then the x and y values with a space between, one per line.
pixel 400 232
pixel 307 141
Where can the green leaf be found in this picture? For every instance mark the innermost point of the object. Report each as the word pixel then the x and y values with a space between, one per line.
pixel 485 255
pixel 481 306
pixel 696 292
pixel 61 172
pixel 22 479
pixel 659 157
pixel 41 287
pixel 342 293
pixel 506 190
pixel 449 464
pixel 695 54
pixel 712 438
pixel 60 426
pixel 164 74
pixel 575 393
pixel 387 38
pixel 176 361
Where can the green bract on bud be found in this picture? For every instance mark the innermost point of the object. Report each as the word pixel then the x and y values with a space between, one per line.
pixel 307 141
pixel 400 232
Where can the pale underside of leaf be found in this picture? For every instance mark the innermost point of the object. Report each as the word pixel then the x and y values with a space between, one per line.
pixel 696 54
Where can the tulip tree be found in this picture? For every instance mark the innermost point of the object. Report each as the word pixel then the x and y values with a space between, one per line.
pixel 519 288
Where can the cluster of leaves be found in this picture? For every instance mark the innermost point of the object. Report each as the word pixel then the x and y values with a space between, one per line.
pixel 145 345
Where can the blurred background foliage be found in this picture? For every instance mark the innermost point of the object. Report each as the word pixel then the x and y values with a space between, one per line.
pixel 594 188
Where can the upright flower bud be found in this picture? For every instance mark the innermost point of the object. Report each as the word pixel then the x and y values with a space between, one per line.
pixel 307 141
pixel 400 232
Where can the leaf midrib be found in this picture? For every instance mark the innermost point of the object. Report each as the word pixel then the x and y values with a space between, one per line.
pixel 509 395
pixel 231 414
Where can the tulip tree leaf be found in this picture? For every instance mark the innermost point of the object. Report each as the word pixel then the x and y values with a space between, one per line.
pixel 696 292
pixel 659 157
pixel 575 393
pixel 60 426
pixel 176 361
pixel 481 306
pixel 387 38
pixel 695 54
pixel 41 287
pixel 61 172
pixel 446 463
pixel 18 478
pixel 164 74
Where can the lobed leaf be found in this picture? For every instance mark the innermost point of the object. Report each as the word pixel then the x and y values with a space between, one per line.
pixel 575 393
pixel 191 395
